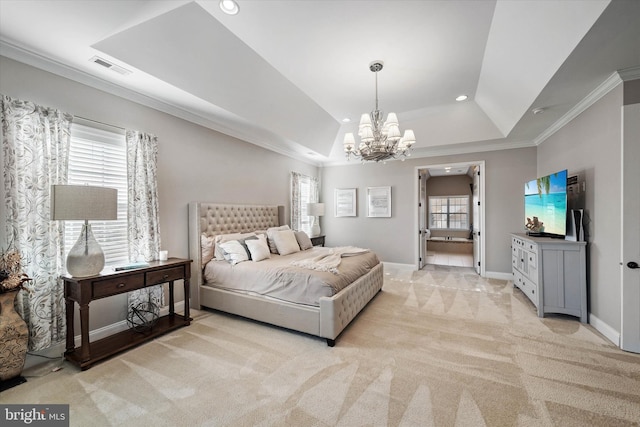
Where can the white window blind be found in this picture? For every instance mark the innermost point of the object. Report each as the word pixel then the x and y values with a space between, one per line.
pixel 99 157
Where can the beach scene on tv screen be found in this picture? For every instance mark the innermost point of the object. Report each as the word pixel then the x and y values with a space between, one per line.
pixel 545 204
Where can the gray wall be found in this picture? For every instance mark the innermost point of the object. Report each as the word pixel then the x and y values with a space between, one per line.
pixel 194 163
pixel 590 143
pixel 393 238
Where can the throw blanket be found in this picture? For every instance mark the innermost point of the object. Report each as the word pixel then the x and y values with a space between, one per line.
pixel 330 260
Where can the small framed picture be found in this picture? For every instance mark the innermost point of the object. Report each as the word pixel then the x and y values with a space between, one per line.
pixel 345 202
pixel 379 202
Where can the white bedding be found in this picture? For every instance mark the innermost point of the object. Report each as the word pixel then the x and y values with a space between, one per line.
pixel 278 278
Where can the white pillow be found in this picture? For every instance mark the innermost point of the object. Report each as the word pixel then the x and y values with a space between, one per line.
pixel 221 238
pixel 234 252
pixel 303 240
pixel 206 248
pixel 286 242
pixel 270 231
pixel 259 248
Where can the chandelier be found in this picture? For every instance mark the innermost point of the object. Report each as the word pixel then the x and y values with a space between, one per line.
pixel 379 141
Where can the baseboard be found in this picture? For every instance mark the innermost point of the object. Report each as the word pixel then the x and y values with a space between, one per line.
pixel 609 333
pixel 397 266
pixel 57 350
pixel 498 275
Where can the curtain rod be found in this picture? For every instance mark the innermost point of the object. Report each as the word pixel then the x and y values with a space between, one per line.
pixel 102 123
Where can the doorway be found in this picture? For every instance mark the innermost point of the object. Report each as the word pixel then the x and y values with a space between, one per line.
pixel 459 242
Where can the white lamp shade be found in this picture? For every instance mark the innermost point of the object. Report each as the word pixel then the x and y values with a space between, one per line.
pixel 392 119
pixel 365 120
pixel 409 137
pixel 83 202
pixel 393 132
pixel 349 141
pixel 315 209
pixel 366 134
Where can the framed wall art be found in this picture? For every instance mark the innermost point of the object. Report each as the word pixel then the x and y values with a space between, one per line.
pixel 379 202
pixel 345 202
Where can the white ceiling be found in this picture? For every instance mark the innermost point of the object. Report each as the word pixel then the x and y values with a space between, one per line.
pixel 284 74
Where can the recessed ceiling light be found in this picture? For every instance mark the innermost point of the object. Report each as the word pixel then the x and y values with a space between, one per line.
pixel 230 7
pixel 537 110
pixel 462 98
pixel 346 120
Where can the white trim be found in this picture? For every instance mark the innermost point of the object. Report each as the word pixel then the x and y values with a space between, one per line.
pixel 607 331
pixel 604 88
pixel 20 54
pixel 398 266
pixel 416 200
pixel 58 349
pixel 449 150
pixel 630 74
pixel 498 275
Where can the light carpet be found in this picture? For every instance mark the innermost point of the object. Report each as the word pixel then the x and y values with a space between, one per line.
pixel 438 347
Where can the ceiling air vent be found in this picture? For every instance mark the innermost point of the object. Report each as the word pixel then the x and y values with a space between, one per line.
pixel 106 64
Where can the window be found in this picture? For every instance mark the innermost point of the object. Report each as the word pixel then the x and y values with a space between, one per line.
pixel 99 157
pixel 304 189
pixel 449 212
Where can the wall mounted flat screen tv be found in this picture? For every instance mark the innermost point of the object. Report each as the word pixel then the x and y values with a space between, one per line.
pixel 545 205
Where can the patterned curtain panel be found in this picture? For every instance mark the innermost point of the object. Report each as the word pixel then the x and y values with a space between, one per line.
pixel 304 189
pixel 36 155
pixel 142 214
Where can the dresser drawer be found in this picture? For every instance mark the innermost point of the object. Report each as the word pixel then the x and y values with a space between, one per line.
pixel 163 276
pixel 530 290
pixel 106 287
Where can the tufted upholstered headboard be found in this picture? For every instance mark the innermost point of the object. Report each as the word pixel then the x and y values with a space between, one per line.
pixel 215 218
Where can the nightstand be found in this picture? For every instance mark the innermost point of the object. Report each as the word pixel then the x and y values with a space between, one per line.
pixel 317 241
pixel 86 289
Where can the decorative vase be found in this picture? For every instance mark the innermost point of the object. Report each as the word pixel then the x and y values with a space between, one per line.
pixel 14 337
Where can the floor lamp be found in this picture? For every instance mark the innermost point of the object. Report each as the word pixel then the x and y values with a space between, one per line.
pixel 83 202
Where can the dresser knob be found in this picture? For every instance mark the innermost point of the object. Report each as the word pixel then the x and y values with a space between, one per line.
pixel 121 285
pixel 165 277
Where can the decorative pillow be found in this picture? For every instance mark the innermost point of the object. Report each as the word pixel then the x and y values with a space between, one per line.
pixel 234 252
pixel 206 248
pixel 286 242
pixel 221 238
pixel 259 248
pixel 270 231
pixel 303 240
pixel 243 242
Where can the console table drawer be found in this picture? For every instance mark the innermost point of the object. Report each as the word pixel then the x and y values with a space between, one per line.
pixel 104 288
pixel 163 276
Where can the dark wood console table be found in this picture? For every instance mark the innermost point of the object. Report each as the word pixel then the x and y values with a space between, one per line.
pixel 83 290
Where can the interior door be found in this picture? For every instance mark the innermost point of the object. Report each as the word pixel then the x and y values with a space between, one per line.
pixel 477 235
pixel 422 215
pixel 630 292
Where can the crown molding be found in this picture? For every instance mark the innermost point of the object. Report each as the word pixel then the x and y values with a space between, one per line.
pixel 449 150
pixel 604 88
pixel 630 74
pixel 20 54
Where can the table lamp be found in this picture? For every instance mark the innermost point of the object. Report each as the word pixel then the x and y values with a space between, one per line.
pixel 83 202
pixel 315 210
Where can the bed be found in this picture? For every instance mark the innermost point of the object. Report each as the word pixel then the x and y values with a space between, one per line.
pixel 325 314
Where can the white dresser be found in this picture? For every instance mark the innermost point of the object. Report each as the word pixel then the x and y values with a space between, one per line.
pixel 552 273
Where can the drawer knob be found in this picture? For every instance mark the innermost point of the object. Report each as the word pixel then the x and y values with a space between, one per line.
pixel 121 285
pixel 165 277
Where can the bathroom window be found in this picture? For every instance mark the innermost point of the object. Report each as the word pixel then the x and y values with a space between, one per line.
pixel 449 212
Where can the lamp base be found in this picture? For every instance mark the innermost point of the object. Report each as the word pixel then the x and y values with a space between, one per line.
pixel 86 257
pixel 315 229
